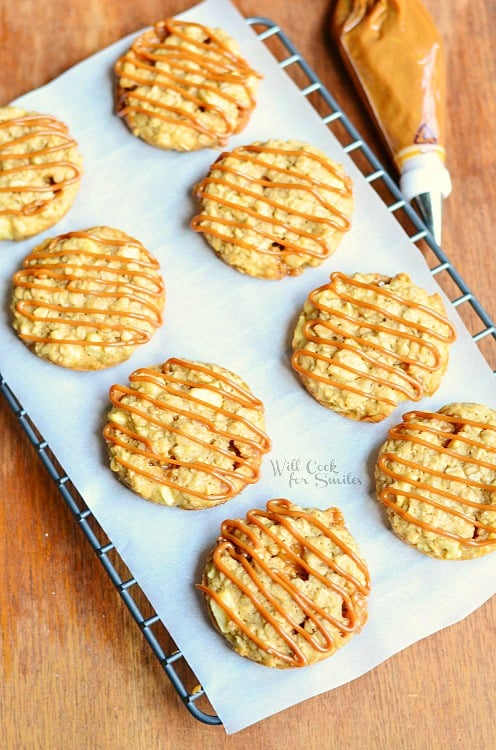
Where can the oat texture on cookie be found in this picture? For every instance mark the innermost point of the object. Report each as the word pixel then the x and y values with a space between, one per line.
pixel 187 434
pixel 436 477
pixel 184 86
pixel 365 343
pixel 87 299
pixel 286 586
pixel 40 172
pixel 271 209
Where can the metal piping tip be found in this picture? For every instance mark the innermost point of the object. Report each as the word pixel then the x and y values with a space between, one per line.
pixel 430 206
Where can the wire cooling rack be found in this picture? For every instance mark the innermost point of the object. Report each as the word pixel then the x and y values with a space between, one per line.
pixel 478 322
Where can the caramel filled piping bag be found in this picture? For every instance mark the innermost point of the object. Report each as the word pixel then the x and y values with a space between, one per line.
pixel 395 56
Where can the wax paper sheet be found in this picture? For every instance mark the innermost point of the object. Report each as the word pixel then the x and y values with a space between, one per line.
pixel 215 314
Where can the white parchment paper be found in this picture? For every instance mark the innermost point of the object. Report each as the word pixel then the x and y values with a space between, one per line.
pixel 218 315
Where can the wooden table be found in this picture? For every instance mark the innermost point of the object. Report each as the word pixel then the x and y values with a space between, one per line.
pixel 75 670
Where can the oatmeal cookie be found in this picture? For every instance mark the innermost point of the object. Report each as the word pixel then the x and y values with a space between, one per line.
pixel 86 300
pixel 185 433
pixel 271 209
pixel 40 172
pixel 286 586
pixel 183 86
pixel 365 343
pixel 436 477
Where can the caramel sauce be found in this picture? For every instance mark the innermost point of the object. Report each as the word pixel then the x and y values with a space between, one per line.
pixel 410 385
pixel 170 65
pixel 161 467
pixel 100 277
pixel 40 126
pixel 280 216
pixel 485 534
pixel 239 542
pixel 395 55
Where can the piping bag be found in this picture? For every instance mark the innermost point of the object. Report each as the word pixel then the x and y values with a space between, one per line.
pixel 395 57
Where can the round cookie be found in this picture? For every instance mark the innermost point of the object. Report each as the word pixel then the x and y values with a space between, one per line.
pixel 272 209
pixel 86 300
pixel 183 86
pixel 436 477
pixel 287 586
pixel 365 343
pixel 185 433
pixel 40 172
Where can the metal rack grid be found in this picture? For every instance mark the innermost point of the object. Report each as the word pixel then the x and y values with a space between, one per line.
pixel 171 659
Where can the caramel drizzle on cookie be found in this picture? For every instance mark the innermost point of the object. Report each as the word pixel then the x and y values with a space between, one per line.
pixel 371 353
pixel 243 452
pixel 36 126
pixel 211 58
pixel 255 579
pixel 80 271
pixel 424 491
pixel 291 182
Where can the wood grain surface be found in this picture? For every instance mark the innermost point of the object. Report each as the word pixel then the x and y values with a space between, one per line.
pixel 76 672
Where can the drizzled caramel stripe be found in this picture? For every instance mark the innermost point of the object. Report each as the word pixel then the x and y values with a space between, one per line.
pixel 388 494
pixel 238 541
pixel 226 68
pixel 41 126
pixel 136 444
pixel 409 385
pixel 92 278
pixel 292 180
